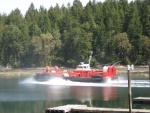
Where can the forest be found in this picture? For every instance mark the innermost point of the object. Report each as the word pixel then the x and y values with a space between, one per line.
pixel 114 31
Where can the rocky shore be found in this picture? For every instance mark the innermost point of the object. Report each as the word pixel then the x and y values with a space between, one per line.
pixel 8 72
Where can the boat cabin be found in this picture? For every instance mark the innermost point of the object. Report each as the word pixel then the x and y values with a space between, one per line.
pixel 83 66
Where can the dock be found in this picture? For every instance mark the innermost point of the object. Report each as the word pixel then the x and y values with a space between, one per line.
pixel 85 109
pixel 142 100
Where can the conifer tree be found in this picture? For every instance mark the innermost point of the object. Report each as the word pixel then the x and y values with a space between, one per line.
pixel 44 21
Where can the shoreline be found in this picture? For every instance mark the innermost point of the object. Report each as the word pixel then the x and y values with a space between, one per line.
pixel 8 72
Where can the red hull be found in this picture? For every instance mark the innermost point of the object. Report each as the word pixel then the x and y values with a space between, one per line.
pixel 79 74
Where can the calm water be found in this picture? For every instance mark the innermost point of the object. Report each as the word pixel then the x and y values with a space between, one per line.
pixel 25 95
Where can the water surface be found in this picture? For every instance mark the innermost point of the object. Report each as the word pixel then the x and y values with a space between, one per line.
pixel 25 95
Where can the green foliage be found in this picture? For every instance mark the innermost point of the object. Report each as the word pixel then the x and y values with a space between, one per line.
pixel 144 50
pixel 11 44
pixel 43 47
pixel 114 30
pixel 145 19
pixel 126 61
pixel 123 47
pixel 32 15
pixel 44 21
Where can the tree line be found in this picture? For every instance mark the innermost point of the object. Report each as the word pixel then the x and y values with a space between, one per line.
pixel 114 30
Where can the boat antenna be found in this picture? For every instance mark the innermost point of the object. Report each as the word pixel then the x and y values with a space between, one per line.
pixel 90 57
pixel 116 63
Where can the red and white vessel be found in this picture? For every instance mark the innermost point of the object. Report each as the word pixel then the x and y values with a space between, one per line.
pixel 83 73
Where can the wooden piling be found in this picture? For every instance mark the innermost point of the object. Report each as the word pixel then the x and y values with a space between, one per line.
pixel 149 71
pixel 129 90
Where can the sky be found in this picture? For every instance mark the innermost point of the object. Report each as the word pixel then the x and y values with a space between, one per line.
pixel 6 6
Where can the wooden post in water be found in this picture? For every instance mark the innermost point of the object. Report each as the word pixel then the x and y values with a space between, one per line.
pixel 149 71
pixel 129 88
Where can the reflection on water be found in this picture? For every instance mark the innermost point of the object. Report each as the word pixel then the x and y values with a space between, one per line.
pixel 93 93
pixel 30 96
pixel 109 93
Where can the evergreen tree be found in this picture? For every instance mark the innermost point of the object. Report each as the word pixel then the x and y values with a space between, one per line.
pixel 44 21
pixel 124 9
pixel 134 29
pixel 25 41
pixel 123 47
pixel 43 46
pixel 55 15
pixel 145 19
pixel 15 18
pixel 57 51
pixel 77 10
pixel 144 50
pixel 2 22
pixel 31 15
pixel 11 45
pixel 114 30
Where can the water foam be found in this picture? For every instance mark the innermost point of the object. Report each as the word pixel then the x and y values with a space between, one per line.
pixel 62 82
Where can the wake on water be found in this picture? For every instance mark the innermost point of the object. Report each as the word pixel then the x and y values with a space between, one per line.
pixel 62 82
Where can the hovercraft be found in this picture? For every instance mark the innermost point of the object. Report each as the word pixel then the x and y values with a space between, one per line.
pixel 83 73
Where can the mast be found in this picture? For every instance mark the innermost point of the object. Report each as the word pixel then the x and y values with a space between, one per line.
pixel 90 57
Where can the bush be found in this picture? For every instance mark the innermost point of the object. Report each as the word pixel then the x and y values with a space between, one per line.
pixel 126 61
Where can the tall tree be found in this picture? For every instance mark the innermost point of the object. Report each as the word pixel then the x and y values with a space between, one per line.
pixel 11 45
pixel 79 46
pixel 65 30
pixel 32 15
pixel 124 9
pixel 144 50
pixel 146 17
pixel 56 56
pixel 15 17
pixel 43 47
pixel 2 24
pixel 77 10
pixel 134 29
pixel 44 21
pixel 25 41
pixel 55 15
pixel 123 47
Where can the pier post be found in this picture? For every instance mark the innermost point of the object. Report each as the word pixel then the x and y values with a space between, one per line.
pixel 129 88
pixel 149 71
